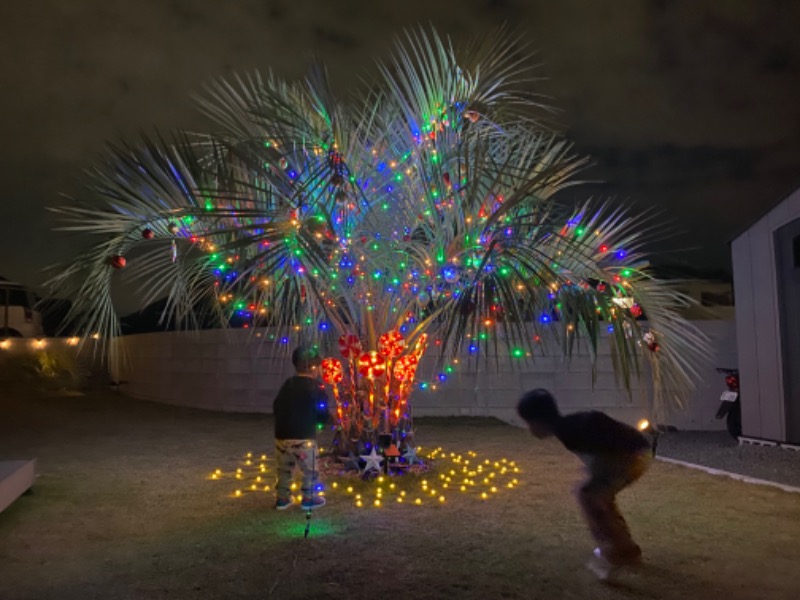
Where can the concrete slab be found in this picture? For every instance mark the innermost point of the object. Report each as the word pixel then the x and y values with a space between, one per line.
pixel 16 477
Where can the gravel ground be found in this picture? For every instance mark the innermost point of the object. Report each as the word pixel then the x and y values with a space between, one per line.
pixel 716 449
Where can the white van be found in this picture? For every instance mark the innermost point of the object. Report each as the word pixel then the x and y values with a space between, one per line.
pixel 18 316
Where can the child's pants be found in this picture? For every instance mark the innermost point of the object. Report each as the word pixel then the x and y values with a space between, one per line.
pixel 608 475
pixel 291 453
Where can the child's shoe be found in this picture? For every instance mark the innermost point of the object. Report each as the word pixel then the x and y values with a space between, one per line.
pixel 283 503
pixel 602 568
pixel 312 503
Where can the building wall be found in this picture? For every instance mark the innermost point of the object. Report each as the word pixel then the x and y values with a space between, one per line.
pixel 233 370
pixel 758 323
pixel 714 299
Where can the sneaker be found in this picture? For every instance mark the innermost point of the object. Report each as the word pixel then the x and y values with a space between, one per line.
pixel 312 503
pixel 602 568
pixel 283 503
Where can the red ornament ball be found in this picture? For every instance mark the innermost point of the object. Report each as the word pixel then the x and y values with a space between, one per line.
pixel 147 233
pixel 117 261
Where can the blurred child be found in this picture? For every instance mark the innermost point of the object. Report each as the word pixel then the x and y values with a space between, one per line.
pixel 299 408
pixel 615 456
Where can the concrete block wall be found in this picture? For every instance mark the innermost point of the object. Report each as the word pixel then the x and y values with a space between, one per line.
pixel 240 371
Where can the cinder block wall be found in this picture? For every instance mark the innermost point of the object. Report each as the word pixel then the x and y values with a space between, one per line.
pixel 238 371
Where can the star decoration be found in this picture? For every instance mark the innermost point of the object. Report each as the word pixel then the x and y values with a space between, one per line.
pixel 410 455
pixel 351 463
pixel 373 460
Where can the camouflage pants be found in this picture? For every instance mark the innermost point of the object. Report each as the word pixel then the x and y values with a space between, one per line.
pixel 293 453
pixel 609 475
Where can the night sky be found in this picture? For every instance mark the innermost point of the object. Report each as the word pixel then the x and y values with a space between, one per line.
pixel 689 107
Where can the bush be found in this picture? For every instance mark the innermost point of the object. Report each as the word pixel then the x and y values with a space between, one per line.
pixel 45 369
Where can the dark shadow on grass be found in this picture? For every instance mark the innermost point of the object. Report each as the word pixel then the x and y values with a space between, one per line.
pixel 462 422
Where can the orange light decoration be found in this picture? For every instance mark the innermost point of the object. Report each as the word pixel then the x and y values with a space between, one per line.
pixel 367 404
pixel 406 367
pixel 371 365
pixel 349 345
pixel 404 372
pixel 391 344
pixel 333 373
pixel 421 345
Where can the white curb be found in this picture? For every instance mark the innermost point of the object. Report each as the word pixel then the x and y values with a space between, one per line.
pixel 759 442
pixel 737 476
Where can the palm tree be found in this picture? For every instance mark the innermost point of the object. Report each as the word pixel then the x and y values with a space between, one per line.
pixel 425 204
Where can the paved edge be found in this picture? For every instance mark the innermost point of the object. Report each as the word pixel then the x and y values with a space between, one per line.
pixel 737 476
pixel 16 477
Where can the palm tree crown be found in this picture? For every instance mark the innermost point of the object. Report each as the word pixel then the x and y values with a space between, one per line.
pixel 424 206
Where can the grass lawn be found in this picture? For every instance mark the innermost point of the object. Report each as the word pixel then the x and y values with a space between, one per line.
pixel 124 508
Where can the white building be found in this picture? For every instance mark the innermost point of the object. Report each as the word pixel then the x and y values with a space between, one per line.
pixel 766 274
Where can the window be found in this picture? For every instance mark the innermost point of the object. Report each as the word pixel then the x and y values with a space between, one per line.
pixel 17 297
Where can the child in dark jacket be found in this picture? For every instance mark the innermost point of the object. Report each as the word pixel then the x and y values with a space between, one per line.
pixel 615 455
pixel 299 408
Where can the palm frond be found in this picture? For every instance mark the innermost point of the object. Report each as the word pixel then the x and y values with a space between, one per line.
pixel 430 204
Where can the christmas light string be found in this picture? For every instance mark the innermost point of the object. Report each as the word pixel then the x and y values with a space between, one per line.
pixel 428 205
pixel 440 473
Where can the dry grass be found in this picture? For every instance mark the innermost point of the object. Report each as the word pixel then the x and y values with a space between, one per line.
pixel 124 509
